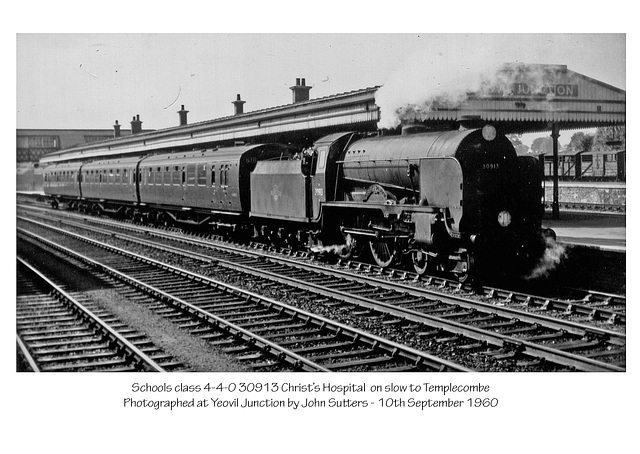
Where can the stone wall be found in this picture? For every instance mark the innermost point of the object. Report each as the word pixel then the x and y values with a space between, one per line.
pixel 609 195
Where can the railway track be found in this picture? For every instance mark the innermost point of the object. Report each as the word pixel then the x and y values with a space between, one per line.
pixel 581 305
pixel 501 331
pixel 58 333
pixel 566 302
pixel 259 331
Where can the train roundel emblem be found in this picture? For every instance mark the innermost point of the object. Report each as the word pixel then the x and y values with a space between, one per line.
pixel 276 193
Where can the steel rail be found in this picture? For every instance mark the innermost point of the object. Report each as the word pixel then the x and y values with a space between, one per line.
pixel 27 354
pixel 140 358
pixel 391 347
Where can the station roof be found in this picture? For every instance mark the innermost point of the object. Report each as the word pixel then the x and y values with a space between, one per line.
pixel 345 111
pixel 529 98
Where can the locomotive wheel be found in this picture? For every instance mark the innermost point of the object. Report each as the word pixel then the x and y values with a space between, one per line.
pixel 383 252
pixel 421 262
pixel 464 276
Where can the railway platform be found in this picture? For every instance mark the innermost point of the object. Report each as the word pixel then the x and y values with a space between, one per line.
pixel 606 231
pixel 594 249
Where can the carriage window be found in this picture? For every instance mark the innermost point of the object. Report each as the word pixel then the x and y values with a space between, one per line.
pixel 167 176
pixel 223 175
pixel 176 175
pixel 191 175
pixel 202 174
pixel 118 178
pixel 213 175
pixel 158 179
pixel 150 176
pixel 184 176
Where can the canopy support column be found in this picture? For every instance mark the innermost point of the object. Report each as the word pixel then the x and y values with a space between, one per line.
pixel 555 207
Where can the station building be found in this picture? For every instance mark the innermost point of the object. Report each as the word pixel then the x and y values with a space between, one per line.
pixel 33 144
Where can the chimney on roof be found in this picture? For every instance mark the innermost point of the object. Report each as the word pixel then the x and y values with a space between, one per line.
pixel 237 104
pixel 116 129
pixel 136 125
pixel 183 116
pixel 300 91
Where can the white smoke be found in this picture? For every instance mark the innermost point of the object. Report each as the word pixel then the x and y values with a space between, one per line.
pixel 452 66
pixel 334 248
pixel 554 253
pixel 331 249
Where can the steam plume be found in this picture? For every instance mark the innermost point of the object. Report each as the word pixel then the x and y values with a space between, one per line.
pixel 553 255
pixel 451 67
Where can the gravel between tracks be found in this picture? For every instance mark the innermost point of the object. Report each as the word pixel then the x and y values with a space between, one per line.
pixel 196 354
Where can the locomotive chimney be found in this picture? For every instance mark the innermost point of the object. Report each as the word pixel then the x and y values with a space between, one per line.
pixel 238 105
pixel 136 125
pixel 471 122
pixel 300 91
pixel 116 129
pixel 183 116
pixel 413 129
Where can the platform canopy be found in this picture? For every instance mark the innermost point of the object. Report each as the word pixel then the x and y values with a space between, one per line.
pixel 524 98
pixel 519 98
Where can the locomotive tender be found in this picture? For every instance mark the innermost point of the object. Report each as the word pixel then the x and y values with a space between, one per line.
pixel 449 200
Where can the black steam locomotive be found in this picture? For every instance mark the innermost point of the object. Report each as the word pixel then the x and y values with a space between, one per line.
pixel 454 201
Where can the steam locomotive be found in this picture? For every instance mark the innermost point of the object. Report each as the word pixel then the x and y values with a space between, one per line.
pixel 455 201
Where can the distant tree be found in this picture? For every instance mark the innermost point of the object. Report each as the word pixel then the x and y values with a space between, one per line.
pixel 516 140
pixel 610 138
pixel 580 142
pixel 542 145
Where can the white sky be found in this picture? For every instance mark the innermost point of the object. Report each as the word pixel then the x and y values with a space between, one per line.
pixel 91 80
